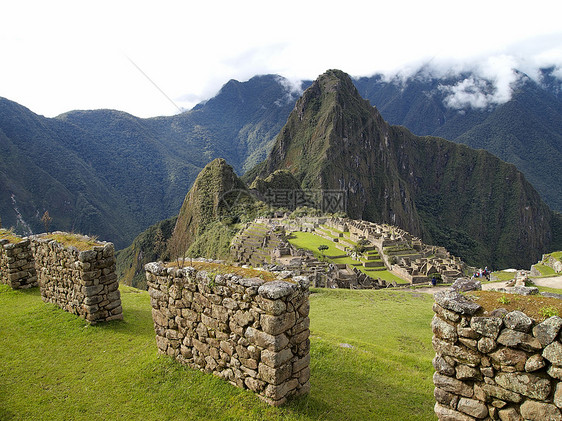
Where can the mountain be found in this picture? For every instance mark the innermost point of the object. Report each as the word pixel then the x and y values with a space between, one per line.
pixel 477 206
pixel 111 174
pixel 212 212
pixel 524 129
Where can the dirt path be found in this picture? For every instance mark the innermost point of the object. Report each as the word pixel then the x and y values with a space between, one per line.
pixel 551 282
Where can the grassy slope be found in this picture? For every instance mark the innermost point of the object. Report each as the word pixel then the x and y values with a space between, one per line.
pixel 55 366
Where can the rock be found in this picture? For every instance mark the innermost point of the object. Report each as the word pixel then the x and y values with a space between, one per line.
pixel 459 353
pixel 452 385
pixel 547 331
pixel 276 289
pixel 553 353
pixel 441 365
pixel 443 329
pixel 558 395
pixel 534 363
pixel 525 383
pixel 518 320
pixel 486 345
pixel 472 407
pixel 445 398
pixel 456 302
pixel 510 357
pixel 514 339
pixel 501 393
pixel 487 326
pixel 447 414
pixel 539 411
pixel 509 414
pixel 465 284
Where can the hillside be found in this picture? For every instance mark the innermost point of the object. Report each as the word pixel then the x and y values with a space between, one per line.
pixel 84 167
pixel 468 201
pixel 525 131
pixel 360 369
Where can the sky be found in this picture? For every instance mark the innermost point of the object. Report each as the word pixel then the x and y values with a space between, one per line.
pixel 158 58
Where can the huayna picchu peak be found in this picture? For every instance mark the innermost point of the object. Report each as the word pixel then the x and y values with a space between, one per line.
pixel 471 202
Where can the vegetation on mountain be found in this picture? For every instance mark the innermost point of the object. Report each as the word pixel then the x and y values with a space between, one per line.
pixel 525 131
pixel 468 201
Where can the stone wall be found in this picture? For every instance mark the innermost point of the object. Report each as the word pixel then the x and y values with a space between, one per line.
pixel 81 282
pixel 17 266
pixel 500 366
pixel 251 333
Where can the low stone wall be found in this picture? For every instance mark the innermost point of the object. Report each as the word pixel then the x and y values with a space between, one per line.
pixel 251 333
pixel 81 282
pixel 502 366
pixel 17 266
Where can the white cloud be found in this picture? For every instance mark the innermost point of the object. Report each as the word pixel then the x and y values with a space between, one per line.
pixel 62 54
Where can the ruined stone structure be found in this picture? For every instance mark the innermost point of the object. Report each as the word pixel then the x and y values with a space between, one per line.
pixel 385 247
pixel 17 265
pixel 251 333
pixel 81 282
pixel 499 366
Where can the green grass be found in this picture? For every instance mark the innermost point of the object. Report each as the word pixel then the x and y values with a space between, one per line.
pixel 545 270
pixel 54 366
pixel 309 241
pixel 503 276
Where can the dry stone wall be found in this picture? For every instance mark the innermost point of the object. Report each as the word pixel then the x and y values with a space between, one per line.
pixel 252 333
pixel 17 265
pixel 504 366
pixel 81 282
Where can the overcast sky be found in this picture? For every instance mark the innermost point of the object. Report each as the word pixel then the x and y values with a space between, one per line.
pixel 151 58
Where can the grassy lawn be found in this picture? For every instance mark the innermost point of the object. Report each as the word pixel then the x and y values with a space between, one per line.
pixel 309 241
pixel 54 366
pixel 501 276
pixel 545 270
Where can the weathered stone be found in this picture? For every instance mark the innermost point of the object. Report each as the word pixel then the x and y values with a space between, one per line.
pixel 466 284
pixel 514 339
pixel 509 414
pixel 547 331
pixel 280 391
pixel 464 372
pixel 558 395
pixel 274 376
pixel 525 383
pixel 443 367
pixel 501 393
pixel 446 314
pixel 456 302
pixel 555 372
pixel 445 398
pixel 458 352
pixel 487 326
pixel 518 320
pixel 486 345
pixel 276 359
pixel 540 411
pixel 276 289
pixel 443 329
pixel 265 340
pixel 447 414
pixel 534 363
pixel 553 353
pixel 274 325
pixel 472 407
pixel 510 357
pixel 452 385
pixel 467 332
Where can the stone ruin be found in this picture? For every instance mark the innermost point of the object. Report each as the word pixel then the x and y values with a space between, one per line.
pixel 81 282
pixel 17 264
pixel 251 333
pixel 502 365
pixel 264 242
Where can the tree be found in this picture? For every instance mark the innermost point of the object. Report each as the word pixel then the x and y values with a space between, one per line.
pixel 46 219
pixel 323 248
